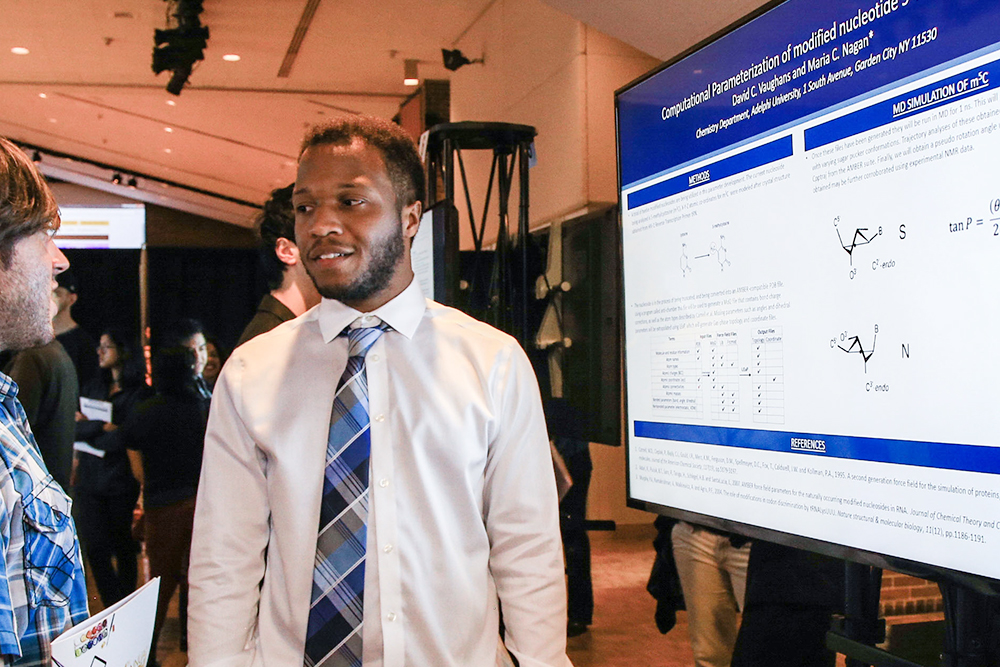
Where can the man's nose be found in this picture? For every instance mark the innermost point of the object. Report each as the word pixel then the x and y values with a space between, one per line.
pixel 325 220
pixel 59 261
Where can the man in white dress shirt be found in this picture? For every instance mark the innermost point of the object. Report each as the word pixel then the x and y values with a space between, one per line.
pixel 463 515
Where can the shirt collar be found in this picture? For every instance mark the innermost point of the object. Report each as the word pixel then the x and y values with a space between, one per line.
pixel 403 313
pixel 7 387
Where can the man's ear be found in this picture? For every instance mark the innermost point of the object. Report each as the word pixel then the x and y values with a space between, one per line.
pixel 411 219
pixel 287 251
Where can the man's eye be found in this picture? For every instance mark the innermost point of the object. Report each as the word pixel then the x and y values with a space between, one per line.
pixel 302 208
pixel 351 201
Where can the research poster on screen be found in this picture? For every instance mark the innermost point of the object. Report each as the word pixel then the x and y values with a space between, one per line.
pixel 811 236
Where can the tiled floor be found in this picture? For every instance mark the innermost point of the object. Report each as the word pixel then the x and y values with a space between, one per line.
pixel 624 633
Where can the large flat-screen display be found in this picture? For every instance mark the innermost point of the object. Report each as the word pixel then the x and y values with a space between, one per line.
pixel 102 227
pixel 810 218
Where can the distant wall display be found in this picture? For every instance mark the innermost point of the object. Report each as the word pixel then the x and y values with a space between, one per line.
pixel 422 254
pixel 122 227
pixel 436 241
pixel 810 222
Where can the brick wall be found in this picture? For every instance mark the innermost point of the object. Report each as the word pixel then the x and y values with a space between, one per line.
pixel 903 594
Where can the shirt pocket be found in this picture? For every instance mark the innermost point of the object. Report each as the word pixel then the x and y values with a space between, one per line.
pixel 50 546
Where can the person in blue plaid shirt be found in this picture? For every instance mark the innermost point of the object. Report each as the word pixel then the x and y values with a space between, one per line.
pixel 42 586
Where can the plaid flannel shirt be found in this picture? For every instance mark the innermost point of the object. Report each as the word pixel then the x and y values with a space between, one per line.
pixel 43 590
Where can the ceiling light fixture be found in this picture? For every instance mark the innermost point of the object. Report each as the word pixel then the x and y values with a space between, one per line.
pixel 454 59
pixel 168 129
pixel 171 103
pixel 231 58
pixel 133 183
pixel 20 51
pixel 42 95
pixel 116 178
pixel 410 76
pixel 36 157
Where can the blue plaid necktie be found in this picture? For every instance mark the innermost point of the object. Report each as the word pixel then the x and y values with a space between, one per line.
pixel 336 611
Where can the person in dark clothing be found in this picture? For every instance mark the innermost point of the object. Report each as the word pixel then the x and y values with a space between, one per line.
pixel 565 425
pixel 49 392
pixel 168 431
pixel 292 290
pixel 79 344
pixel 790 599
pixel 105 490
pixel 664 581
pixel 576 543
pixel 190 333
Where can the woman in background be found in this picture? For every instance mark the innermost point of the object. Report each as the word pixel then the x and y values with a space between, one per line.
pixel 104 489
pixel 168 434
pixel 217 356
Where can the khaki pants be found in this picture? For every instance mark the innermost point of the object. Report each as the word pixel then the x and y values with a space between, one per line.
pixel 714 578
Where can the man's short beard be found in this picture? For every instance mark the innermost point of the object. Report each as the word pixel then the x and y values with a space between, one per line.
pixel 25 319
pixel 385 257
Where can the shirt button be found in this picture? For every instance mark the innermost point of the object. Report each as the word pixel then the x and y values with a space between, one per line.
pixel 387 548
pixel 366 318
pixel 374 357
pixel 380 418
pixel 384 482
pixel 391 616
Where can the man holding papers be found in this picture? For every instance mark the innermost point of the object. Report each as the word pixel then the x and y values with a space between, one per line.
pixel 42 587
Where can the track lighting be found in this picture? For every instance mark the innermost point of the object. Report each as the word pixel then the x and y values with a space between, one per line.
pixel 36 157
pixel 116 178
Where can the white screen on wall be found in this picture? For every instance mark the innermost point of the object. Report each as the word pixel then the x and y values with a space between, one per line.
pixel 811 250
pixel 117 227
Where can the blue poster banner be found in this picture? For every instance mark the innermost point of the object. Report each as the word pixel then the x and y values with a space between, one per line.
pixel 928 98
pixel 756 80
pixel 711 173
pixel 971 458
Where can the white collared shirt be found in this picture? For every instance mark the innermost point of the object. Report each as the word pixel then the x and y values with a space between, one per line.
pixel 463 507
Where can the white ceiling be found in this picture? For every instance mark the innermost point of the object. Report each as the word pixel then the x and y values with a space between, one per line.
pixel 236 127
pixel 631 22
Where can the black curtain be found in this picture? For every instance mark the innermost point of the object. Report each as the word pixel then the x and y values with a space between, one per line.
pixel 219 287
pixel 107 289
